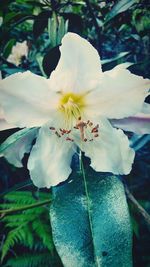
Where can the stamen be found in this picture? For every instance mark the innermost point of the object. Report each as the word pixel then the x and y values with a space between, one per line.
pixel 94 130
pixel 57 134
pixel 63 131
pixel 81 125
pixel 52 128
pixel 90 123
pixel 69 139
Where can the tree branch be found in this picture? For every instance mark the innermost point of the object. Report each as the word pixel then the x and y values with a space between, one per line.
pixel 137 206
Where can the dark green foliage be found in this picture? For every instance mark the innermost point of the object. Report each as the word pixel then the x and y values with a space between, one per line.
pixel 30 260
pixel 28 229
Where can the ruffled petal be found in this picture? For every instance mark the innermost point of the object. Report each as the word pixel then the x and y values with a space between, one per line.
pixel 139 124
pixel 121 94
pixel 15 153
pixel 79 65
pixel 4 125
pixel 26 99
pixel 50 159
pixel 110 152
pixel 146 108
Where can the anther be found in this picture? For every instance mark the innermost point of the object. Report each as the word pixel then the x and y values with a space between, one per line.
pixel 85 139
pixel 91 140
pixel 52 128
pixel 96 135
pixel 79 118
pixel 94 130
pixel 90 123
pixel 58 135
pixel 69 139
pixel 63 131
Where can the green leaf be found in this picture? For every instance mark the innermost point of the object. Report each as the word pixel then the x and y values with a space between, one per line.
pixel 28 227
pixel 8 47
pixel 62 29
pixel 119 7
pixel 52 30
pixel 119 56
pixel 90 222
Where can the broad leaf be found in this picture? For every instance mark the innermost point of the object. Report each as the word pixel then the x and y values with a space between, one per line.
pixel 90 222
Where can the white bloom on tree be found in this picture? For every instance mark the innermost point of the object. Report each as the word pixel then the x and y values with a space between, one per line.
pixel 18 51
pixel 72 109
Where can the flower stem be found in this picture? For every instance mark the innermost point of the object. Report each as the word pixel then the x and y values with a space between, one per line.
pixel 89 210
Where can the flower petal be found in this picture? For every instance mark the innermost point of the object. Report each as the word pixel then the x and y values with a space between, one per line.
pixel 79 65
pixel 15 153
pixel 145 108
pixel 26 99
pixel 4 125
pixel 139 124
pixel 121 94
pixel 50 159
pixel 110 152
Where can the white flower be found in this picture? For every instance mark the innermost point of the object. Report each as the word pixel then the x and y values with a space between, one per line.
pixel 72 108
pixel 4 125
pixel 18 51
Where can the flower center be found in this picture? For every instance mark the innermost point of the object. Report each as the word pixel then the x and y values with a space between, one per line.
pixel 72 105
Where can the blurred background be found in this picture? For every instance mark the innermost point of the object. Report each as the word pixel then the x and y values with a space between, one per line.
pixel 30 36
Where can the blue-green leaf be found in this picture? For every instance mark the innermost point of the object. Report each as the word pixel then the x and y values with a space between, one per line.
pixel 90 223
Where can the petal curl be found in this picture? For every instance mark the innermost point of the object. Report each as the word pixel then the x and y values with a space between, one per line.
pixel 139 124
pixel 110 152
pixel 26 99
pixel 15 153
pixel 121 94
pixel 79 65
pixel 146 108
pixel 50 159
